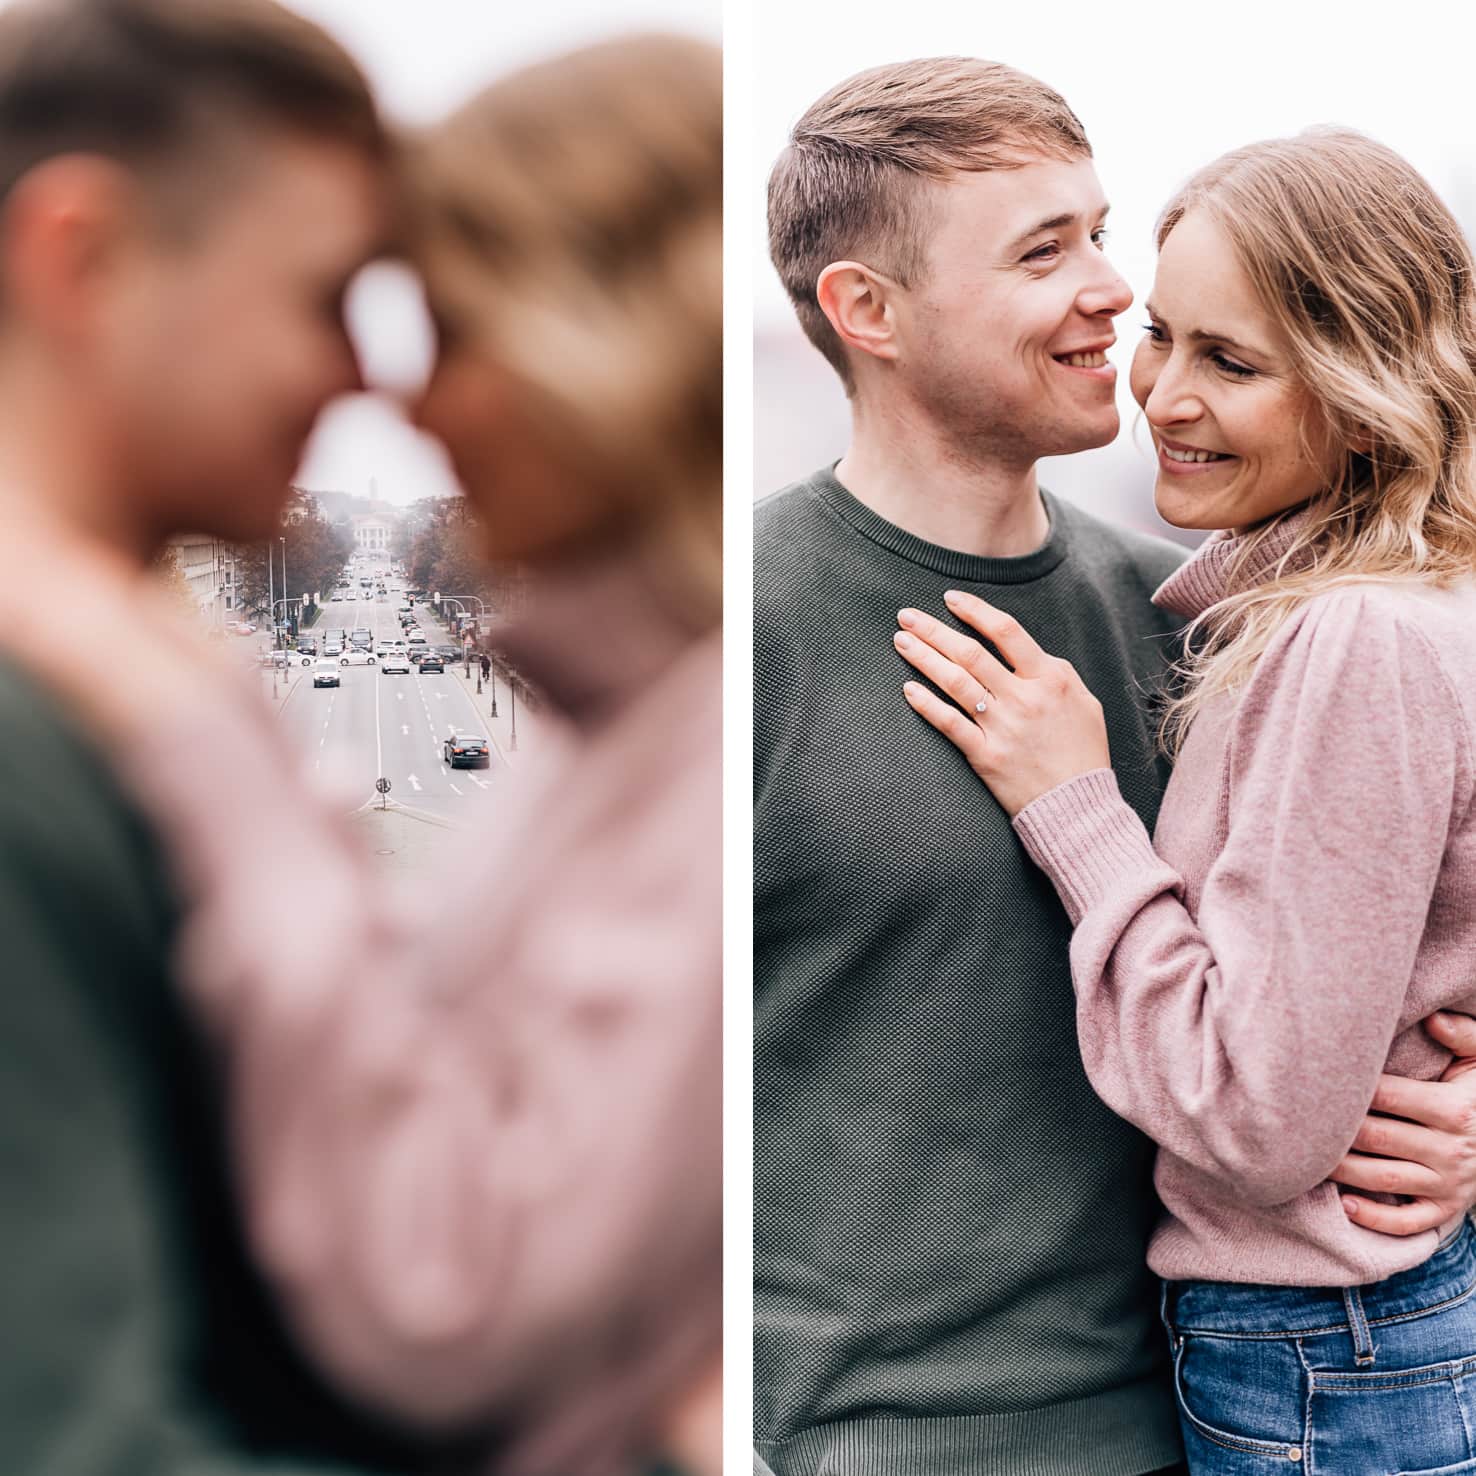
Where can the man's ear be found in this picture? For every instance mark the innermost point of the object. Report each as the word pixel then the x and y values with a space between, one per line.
pixel 61 230
pixel 857 304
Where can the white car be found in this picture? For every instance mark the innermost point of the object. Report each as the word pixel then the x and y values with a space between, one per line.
pixel 418 638
pixel 356 657
pixel 325 673
pixel 385 648
pixel 395 663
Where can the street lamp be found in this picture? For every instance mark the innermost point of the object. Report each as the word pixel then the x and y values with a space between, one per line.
pixel 512 687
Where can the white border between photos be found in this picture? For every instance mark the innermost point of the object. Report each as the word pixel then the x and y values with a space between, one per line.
pixel 738 73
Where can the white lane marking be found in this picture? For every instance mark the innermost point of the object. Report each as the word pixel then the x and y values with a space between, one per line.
pixel 414 783
pixel 400 695
pixel 405 728
pixel 453 787
pixel 480 783
pixel 440 696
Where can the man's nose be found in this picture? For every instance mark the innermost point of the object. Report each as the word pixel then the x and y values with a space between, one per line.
pixel 1107 294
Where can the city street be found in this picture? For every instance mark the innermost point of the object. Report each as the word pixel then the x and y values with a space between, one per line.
pixel 374 725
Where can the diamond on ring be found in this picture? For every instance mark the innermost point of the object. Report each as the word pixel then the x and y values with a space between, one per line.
pixel 981 704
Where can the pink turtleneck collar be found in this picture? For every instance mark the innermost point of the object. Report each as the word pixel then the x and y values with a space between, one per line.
pixel 596 633
pixel 1205 579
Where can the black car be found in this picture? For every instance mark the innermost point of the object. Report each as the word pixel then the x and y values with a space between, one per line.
pixel 466 751
pixel 430 662
pixel 448 653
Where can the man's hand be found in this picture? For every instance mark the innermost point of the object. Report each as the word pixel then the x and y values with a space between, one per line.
pixel 1425 1139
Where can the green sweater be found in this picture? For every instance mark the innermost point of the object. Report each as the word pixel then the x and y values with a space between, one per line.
pixel 137 1340
pixel 950 1226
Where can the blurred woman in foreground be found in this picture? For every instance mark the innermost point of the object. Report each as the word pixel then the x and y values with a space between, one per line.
pixel 480 1149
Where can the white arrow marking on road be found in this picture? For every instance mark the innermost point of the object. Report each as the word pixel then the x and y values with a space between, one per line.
pixel 414 783
pixel 480 783
pixel 400 695
pixel 405 727
pixel 440 696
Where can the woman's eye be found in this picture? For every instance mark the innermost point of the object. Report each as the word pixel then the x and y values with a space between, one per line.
pixel 1155 333
pixel 1240 371
pixel 1099 237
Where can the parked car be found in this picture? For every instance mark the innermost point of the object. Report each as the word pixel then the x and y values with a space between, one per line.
pixel 325 674
pixel 431 662
pixel 395 663
pixel 466 751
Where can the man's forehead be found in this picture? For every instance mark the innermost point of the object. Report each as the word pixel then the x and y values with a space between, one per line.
pixel 1041 193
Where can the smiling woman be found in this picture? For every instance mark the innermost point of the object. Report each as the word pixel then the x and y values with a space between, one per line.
pixel 1308 896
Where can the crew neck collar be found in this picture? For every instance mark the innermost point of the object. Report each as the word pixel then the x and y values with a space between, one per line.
pixel 965 567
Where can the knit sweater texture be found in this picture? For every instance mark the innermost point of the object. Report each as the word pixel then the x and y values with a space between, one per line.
pixel 950 1225
pixel 1308 898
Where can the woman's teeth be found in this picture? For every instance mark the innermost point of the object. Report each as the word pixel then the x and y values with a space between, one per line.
pixel 1084 361
pixel 1193 455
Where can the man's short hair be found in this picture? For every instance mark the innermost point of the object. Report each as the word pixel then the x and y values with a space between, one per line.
pixel 852 181
pixel 151 83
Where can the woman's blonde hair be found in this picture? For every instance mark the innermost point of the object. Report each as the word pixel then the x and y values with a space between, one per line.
pixel 572 212
pixel 1369 279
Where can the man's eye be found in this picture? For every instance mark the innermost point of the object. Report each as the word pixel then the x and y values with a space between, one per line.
pixel 1100 237
pixel 1044 253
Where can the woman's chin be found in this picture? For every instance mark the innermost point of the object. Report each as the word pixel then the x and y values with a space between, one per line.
pixel 1179 511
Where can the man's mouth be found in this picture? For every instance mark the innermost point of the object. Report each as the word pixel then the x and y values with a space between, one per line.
pixel 1094 360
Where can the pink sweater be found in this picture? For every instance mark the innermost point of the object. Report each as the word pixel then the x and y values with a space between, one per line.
pixel 1308 897
pixel 480 1139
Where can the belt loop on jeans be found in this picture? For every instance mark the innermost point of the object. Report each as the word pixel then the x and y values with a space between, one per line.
pixel 1166 1313
pixel 1363 1348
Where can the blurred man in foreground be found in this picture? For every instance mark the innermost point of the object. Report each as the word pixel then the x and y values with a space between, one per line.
pixel 185 192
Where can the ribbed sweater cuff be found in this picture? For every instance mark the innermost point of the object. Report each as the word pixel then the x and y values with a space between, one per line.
pixel 1086 838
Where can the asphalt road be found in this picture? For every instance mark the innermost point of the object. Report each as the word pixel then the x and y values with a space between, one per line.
pixel 374 725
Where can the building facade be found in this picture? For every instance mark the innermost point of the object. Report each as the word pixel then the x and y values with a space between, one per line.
pixel 208 567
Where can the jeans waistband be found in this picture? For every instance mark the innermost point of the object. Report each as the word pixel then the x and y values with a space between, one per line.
pixel 1271 1311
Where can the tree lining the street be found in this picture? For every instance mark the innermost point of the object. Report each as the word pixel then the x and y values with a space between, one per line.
pixel 317 551
pixel 440 547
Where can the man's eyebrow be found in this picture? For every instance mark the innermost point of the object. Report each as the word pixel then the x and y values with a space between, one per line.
pixel 1207 335
pixel 1052 223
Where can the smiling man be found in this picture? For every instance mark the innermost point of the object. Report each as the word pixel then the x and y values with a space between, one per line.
pixel 950 1225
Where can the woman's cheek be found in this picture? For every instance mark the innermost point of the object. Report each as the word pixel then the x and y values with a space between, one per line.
pixel 1141 374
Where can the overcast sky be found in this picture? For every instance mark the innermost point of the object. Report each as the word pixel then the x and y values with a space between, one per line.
pixel 425 56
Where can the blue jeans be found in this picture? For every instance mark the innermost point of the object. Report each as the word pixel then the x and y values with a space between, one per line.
pixel 1376 1380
